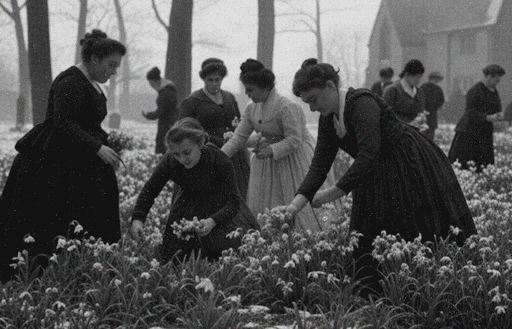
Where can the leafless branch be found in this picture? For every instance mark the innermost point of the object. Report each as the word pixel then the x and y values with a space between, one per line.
pixel 6 10
pixel 158 17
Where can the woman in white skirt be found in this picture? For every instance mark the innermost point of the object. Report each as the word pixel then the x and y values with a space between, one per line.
pixel 283 148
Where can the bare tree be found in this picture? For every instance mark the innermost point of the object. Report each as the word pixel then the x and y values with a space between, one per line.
pixel 311 22
pixel 82 24
pixel 125 91
pixel 266 32
pixel 39 56
pixel 348 55
pixel 23 70
pixel 179 45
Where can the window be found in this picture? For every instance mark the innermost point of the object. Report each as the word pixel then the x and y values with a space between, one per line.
pixel 467 43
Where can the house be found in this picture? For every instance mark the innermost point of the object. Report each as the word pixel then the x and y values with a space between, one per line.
pixel 455 37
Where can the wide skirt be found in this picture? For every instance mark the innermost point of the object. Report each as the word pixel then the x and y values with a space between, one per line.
pixel 413 190
pixel 275 182
pixel 472 147
pixel 45 192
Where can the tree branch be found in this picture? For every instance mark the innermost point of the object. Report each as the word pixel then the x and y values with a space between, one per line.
pixel 6 10
pixel 158 17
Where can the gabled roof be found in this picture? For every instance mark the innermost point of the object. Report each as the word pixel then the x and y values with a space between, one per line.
pixel 413 18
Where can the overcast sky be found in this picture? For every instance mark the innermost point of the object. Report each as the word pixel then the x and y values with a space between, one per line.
pixel 230 23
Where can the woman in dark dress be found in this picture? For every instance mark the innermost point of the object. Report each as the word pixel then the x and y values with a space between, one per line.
pixel 216 110
pixel 65 168
pixel 206 179
pixel 166 112
pixel 404 96
pixel 401 182
pixel 473 139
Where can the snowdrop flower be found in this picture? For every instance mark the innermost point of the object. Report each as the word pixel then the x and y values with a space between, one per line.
pixel 323 264
pixel 502 309
pixel 289 264
pixel 51 290
pixel 145 275
pixel 78 228
pixel 25 294
pixel 61 243
pixel 29 239
pixel 205 284
pixel 117 282
pixel 155 263
pixel 54 258
pixel 147 295
pixel 332 279
pixel 59 304
pixel 97 266
pixel 49 312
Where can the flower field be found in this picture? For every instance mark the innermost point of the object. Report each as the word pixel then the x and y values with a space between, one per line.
pixel 280 278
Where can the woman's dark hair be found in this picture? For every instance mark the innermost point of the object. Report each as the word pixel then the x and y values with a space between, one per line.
pixel 493 70
pixel 314 75
pixel 413 67
pixel 254 72
pixel 98 44
pixel 154 74
pixel 186 128
pixel 213 65
pixel 386 72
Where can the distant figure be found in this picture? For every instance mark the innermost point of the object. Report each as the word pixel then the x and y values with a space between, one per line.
pixel 217 111
pixel 434 99
pixel 385 75
pixel 65 169
pixel 404 97
pixel 166 112
pixel 473 139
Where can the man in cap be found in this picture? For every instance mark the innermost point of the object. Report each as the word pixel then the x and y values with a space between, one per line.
pixel 434 99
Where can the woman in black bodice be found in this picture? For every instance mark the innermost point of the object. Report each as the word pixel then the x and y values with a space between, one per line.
pixel 400 181
pixel 65 169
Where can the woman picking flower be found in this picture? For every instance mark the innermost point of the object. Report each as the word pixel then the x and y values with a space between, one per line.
pixel 208 188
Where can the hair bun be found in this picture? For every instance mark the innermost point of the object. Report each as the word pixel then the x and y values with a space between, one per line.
pixel 154 74
pixel 95 35
pixel 251 65
pixel 309 62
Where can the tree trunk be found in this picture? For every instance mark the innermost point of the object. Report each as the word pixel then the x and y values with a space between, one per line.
pixel 319 45
pixel 179 47
pixel 124 97
pixel 39 57
pixel 82 23
pixel 266 32
pixel 23 70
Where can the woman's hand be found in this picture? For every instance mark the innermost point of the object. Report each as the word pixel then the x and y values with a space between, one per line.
pixel 136 230
pixel 297 204
pixel 109 156
pixel 264 153
pixel 495 117
pixel 144 114
pixel 207 226
pixel 326 196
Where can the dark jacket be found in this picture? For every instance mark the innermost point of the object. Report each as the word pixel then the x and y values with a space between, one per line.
pixel 405 107
pixel 434 99
pixel 166 114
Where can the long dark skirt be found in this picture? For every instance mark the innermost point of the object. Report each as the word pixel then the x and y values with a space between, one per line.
pixel 44 193
pixel 472 147
pixel 212 245
pixel 412 190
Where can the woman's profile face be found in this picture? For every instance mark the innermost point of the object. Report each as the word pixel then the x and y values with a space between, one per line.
pixel 256 93
pixel 102 69
pixel 213 82
pixel 187 152
pixel 323 100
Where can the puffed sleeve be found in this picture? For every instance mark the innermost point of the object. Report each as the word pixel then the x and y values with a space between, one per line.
pixel 364 117
pixel 226 186
pixel 241 134
pixel 325 153
pixel 68 97
pixel 187 109
pixel 292 119
pixel 161 175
